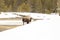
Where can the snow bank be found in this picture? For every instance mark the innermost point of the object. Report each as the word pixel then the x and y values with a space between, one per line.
pixel 33 31
pixel 40 15
pixel 38 30
pixel 33 15
pixel 8 15
pixel 11 22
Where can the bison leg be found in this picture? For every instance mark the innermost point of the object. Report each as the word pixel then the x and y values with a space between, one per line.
pixel 30 19
pixel 27 22
pixel 23 23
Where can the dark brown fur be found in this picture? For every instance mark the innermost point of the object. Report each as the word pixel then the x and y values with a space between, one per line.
pixel 26 19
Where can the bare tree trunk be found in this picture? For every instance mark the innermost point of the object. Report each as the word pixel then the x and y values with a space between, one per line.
pixel 43 6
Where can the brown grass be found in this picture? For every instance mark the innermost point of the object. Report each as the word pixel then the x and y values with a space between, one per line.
pixel 6 27
pixel 10 18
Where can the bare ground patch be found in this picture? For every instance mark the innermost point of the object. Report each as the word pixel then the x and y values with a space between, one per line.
pixel 6 27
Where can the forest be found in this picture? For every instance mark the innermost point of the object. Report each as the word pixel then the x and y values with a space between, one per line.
pixel 37 6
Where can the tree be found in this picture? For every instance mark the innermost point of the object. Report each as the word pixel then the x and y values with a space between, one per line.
pixel 9 9
pixel 43 6
pixel 51 5
pixel 38 7
pixel 3 7
pixel 24 8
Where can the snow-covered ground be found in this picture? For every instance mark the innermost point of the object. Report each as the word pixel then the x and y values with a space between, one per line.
pixel 38 30
pixel 18 22
pixel 8 15
pixel 10 22
pixel 33 15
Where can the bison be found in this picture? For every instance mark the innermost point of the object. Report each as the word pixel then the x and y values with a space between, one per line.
pixel 26 19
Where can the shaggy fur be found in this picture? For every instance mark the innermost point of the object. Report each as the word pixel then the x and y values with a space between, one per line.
pixel 26 19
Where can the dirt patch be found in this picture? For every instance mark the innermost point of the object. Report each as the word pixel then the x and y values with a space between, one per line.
pixel 10 18
pixel 6 27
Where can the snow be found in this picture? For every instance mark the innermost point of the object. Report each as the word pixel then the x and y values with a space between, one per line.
pixel 14 15
pixel 33 15
pixel 11 22
pixel 18 22
pixel 38 30
pixel 8 15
